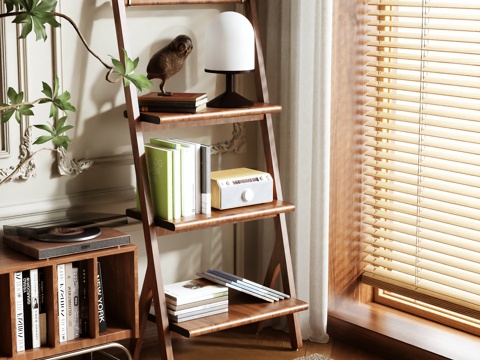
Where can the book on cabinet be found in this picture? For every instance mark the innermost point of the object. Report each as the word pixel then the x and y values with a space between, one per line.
pixel 241 311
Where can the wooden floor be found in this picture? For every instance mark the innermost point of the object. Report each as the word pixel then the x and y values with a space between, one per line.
pixel 243 344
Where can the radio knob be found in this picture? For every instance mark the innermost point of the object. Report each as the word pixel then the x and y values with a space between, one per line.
pixel 247 195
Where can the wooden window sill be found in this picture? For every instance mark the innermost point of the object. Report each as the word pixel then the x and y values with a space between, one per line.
pixel 394 334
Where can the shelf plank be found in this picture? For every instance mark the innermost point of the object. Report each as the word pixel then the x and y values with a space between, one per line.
pixel 209 116
pixel 242 310
pixel 220 217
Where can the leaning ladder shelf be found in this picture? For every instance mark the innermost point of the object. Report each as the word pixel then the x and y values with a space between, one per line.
pixel 242 309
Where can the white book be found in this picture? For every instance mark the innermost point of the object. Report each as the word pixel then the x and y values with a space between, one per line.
pixel 76 303
pixel 187 175
pixel 69 292
pixel 20 327
pixel 198 316
pixel 35 308
pixel 197 171
pixel 62 303
pixel 189 291
pixel 198 309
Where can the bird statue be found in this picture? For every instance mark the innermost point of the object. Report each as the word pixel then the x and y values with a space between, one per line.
pixel 167 61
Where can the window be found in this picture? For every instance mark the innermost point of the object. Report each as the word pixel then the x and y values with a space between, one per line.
pixel 422 190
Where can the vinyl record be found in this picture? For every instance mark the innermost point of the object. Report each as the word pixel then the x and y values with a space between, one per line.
pixel 69 234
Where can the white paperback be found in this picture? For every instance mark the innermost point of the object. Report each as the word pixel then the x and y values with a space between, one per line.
pixel 62 303
pixel 20 328
pixel 190 291
pixel 35 308
pixel 76 303
pixel 69 294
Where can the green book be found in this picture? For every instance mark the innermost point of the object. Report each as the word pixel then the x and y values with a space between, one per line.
pixel 177 173
pixel 160 177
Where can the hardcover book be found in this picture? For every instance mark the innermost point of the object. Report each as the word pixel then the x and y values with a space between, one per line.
pixel 102 319
pixel 174 109
pixel 27 309
pixel 160 176
pixel 83 298
pixel 219 310
pixel 189 291
pixel 19 324
pixel 42 298
pixel 45 250
pixel 35 308
pixel 62 303
pixel 155 97
pixel 172 306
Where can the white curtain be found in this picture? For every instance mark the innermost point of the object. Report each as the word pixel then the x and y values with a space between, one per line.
pixel 297 46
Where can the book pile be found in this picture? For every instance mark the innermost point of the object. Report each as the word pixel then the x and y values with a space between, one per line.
pixel 72 299
pixel 176 102
pixel 243 285
pixel 193 299
pixel 179 177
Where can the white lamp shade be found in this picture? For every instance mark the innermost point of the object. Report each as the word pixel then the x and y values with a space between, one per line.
pixel 230 43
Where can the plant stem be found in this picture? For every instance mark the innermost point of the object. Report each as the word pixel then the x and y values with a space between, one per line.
pixel 77 30
pixel 14 106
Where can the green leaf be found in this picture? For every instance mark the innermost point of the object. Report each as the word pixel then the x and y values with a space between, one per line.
pixel 61 141
pixel 43 139
pixel 45 127
pixel 25 110
pixel 140 81
pixel 47 90
pixel 6 115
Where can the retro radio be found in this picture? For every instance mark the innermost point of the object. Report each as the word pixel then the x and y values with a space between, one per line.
pixel 240 187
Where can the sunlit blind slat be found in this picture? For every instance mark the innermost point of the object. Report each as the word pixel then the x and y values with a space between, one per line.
pixel 422 166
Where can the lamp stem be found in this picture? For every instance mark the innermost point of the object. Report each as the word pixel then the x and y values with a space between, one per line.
pixel 230 83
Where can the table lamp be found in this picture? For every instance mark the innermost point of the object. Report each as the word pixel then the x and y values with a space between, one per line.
pixel 230 50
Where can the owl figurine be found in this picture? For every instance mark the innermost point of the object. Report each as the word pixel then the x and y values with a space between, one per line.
pixel 167 61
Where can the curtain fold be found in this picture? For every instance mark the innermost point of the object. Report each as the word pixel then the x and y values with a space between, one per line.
pixel 298 60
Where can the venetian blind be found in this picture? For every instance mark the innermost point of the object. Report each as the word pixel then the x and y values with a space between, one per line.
pixel 422 190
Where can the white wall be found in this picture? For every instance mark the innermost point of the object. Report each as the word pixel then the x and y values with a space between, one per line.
pixel 101 132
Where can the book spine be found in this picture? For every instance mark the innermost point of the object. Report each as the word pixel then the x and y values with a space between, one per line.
pixel 62 303
pixel 27 309
pixel 42 297
pixel 35 309
pixel 205 179
pixel 102 320
pixel 69 295
pixel 19 324
pixel 76 304
pixel 174 109
pixel 83 298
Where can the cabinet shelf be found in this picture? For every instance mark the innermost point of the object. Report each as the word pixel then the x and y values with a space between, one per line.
pixel 220 217
pixel 120 301
pixel 242 310
pixel 209 116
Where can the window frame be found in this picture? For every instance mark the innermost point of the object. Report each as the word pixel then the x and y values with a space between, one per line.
pixel 353 315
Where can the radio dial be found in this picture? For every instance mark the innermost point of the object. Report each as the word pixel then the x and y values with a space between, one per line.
pixel 247 195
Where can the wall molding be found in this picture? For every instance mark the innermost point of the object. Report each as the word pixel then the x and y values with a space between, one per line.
pixel 114 200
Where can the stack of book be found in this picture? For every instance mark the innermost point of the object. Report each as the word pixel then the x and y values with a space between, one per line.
pixel 179 177
pixel 193 299
pixel 176 102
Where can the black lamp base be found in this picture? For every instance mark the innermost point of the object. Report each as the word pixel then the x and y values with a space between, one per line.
pixel 229 100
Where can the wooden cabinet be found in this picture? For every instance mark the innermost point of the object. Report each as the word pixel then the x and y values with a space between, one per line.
pixel 119 273
pixel 242 309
